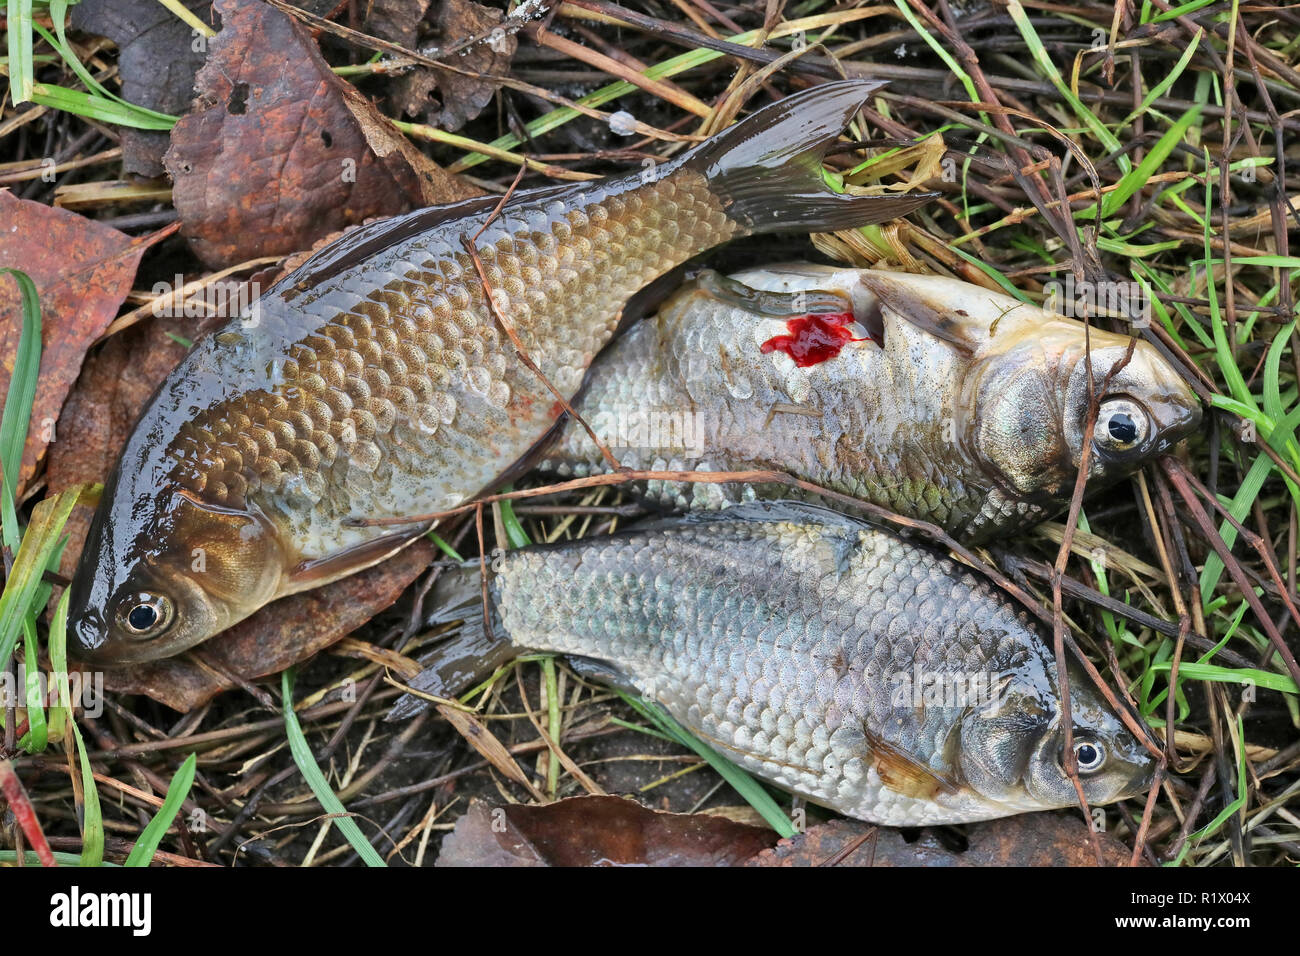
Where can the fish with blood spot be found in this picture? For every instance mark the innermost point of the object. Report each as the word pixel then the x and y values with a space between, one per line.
pixel 813 338
pixel 931 397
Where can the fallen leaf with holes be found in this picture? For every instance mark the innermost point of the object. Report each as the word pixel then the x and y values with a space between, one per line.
pixel 279 151
pixel 158 55
pixel 450 100
pixel 276 637
pixel 82 271
pixel 597 831
pixel 1031 839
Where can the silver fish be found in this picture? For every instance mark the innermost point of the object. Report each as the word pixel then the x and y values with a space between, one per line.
pixel 931 397
pixel 833 659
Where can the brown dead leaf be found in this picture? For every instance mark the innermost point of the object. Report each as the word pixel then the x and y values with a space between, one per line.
pixel 1031 839
pixel 447 99
pixel 278 151
pixel 597 831
pixel 278 636
pixel 82 271
pixel 397 21
pixel 158 55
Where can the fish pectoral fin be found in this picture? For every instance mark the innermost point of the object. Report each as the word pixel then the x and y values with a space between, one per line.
pixel 602 672
pixel 314 573
pixel 904 773
pixel 914 308
pixel 774 305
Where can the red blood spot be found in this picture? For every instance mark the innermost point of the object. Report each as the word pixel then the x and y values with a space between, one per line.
pixel 814 338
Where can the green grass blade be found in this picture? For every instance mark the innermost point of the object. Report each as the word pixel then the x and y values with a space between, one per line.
pixel 18 401
pixel 1180 11
pixel 444 547
pixel 1239 507
pixel 60 706
pixel 1232 675
pixel 1273 406
pixel 99 108
pixel 142 853
pixel 1161 88
pixel 302 756
pixel 61 857
pixel 1040 56
pixel 39 544
pixel 749 788
pixel 510 521
pixel 1136 178
pixel 92 827
pixel 37 737
pixel 996 276
pixel 18 15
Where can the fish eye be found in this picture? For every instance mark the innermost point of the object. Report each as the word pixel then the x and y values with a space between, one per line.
pixel 145 614
pixel 1089 755
pixel 1122 426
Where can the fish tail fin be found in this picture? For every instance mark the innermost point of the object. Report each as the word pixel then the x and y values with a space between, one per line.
pixel 466 654
pixel 767 169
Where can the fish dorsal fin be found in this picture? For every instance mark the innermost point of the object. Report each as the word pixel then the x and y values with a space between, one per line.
pixel 799 512
pixel 365 242
pixel 915 309
pixel 842 537
pixel 903 773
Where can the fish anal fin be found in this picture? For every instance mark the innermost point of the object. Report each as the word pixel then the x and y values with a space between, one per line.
pixel 602 672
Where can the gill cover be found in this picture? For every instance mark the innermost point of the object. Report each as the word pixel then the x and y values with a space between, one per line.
pixel 152 588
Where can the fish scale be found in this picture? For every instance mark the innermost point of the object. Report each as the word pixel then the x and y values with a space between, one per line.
pixel 787 637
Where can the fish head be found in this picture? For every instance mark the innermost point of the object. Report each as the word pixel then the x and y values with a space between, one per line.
pixel 157 577
pixel 1013 750
pixel 1031 405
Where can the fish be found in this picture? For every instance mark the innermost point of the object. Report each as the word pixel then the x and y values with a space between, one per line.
pixel 375 381
pixel 931 397
pixel 829 657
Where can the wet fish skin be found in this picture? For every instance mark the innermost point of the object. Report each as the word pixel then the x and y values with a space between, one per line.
pixel 970 415
pixel 822 654
pixel 374 382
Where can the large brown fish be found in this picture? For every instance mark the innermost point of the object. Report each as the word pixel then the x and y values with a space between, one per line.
pixel 832 658
pixel 929 396
pixel 375 382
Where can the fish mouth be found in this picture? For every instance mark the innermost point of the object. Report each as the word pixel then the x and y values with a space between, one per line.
pixel 88 637
pixel 1139 781
pixel 1176 416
